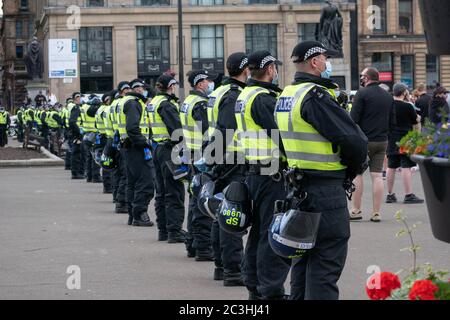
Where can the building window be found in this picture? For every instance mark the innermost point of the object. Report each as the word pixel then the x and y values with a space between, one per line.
pixel 205 2
pixel 19 52
pixel 95 3
pixel 96 68
pixel 96 44
pixel 23 4
pixel 152 2
pixel 96 84
pixel 19 29
pixel 207 42
pixel 261 1
pixel 380 26
pixel 307 32
pixel 433 71
pixel 405 16
pixel 31 28
pixel 407 70
pixel 383 61
pixel 153 50
pixel 261 37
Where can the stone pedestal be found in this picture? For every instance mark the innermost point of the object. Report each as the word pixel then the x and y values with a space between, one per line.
pixel 34 87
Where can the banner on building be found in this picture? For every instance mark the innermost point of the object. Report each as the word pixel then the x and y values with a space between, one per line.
pixel 62 58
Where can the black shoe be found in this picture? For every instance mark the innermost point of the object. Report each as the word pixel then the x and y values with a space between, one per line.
pixel 77 177
pixel 97 181
pixel 218 273
pixel 162 235
pixel 176 237
pixel 204 255
pixel 130 220
pixel 391 198
pixel 107 191
pixel 233 280
pixel 121 208
pixel 143 221
pixel 412 199
pixel 191 253
pixel 89 180
pixel 254 295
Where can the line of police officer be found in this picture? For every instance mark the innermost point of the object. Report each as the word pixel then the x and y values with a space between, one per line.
pixel 263 133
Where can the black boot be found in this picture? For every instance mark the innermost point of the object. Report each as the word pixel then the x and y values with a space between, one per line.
pixel 162 235
pixel 218 273
pixel 204 255
pixel 142 221
pixel 121 208
pixel 176 237
pixel 130 220
pixel 232 279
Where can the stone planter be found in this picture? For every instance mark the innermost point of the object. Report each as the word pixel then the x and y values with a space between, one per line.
pixel 435 173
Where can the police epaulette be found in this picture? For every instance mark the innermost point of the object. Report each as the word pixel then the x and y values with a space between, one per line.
pixel 318 92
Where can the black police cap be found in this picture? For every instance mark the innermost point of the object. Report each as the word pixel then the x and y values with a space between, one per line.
pixel 196 76
pixel 261 59
pixel 138 83
pixel 237 62
pixel 310 49
pixel 76 95
pixel 166 81
pixel 123 85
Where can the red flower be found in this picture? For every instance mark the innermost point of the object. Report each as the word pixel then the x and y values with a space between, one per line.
pixel 380 285
pixel 423 290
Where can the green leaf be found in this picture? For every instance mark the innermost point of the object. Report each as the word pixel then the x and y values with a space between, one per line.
pixel 400 233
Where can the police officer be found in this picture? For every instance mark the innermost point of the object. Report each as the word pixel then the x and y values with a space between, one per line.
pixel 5 121
pixel 323 143
pixel 29 118
pixel 20 123
pixel 76 137
pixel 134 133
pixel 264 271
pixel 65 119
pixel 100 117
pixel 44 126
pixel 120 173
pixel 194 118
pixel 88 111
pixel 54 123
pixel 227 248
pixel 169 199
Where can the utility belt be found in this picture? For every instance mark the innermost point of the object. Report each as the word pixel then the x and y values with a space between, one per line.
pixel 264 169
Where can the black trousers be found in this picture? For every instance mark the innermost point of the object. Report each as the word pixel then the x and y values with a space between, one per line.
pixel 170 193
pixel 92 169
pixel 44 133
pixel 120 178
pixel 227 247
pixel 20 132
pixel 263 270
pixel 76 159
pixel 3 135
pixel 106 175
pixel 140 184
pixel 67 159
pixel 315 276
pixel 199 225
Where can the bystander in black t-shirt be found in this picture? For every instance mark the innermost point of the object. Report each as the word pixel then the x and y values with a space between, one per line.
pixel 403 118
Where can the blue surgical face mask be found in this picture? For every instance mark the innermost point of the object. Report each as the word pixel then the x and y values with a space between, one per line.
pixel 145 93
pixel 210 88
pixel 337 93
pixel 327 72
pixel 275 80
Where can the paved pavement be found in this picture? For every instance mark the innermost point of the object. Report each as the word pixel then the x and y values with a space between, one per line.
pixel 49 222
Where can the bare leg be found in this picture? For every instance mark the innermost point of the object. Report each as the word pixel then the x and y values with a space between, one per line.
pixel 357 195
pixel 378 190
pixel 390 180
pixel 406 177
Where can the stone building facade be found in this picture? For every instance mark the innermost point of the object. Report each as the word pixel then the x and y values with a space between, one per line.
pixel 391 38
pixel 123 39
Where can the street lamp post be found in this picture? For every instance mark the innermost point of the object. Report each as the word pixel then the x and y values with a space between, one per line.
pixel 180 50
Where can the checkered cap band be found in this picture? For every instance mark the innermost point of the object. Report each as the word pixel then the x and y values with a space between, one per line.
pixel 313 51
pixel 199 78
pixel 243 63
pixel 138 84
pixel 171 82
pixel 266 60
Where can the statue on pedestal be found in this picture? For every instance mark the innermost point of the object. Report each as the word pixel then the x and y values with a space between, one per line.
pixel 330 28
pixel 34 60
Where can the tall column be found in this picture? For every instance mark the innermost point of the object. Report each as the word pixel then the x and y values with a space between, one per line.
pixel 124 54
